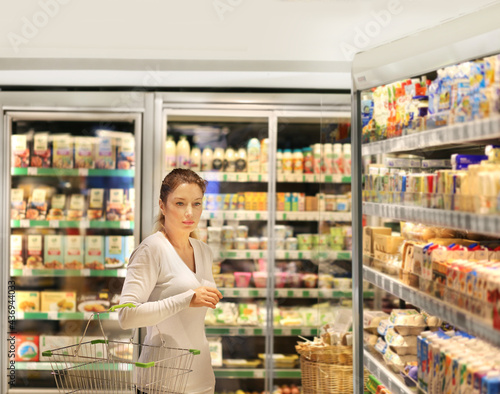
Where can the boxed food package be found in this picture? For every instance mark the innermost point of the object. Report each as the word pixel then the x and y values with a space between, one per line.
pixel 37 205
pixel 248 314
pixel 94 252
pixel 54 252
pixel 106 153
pixel 58 301
pixel 62 150
pixel 16 252
pixel 84 152
pixel 369 237
pixel 57 207
pixel 94 302
pixel 280 202
pixel 115 204
pixel 34 258
pixel 114 256
pixel 26 347
pixel 128 205
pixel 95 209
pixel 126 153
pixel 20 151
pixel 73 252
pixel 27 301
pixel 76 207
pixel 387 243
pixel 41 154
pixel 17 204
pixel 128 247
pixel 215 347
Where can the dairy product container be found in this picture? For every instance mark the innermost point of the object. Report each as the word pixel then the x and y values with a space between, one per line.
pixel 253 156
pixel 183 153
pixel 195 159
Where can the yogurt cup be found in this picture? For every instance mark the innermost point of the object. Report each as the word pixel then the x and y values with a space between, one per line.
pixel 242 279
pixel 253 243
pixel 315 239
pixel 263 243
pixel 343 283
pixel 310 280
pixel 280 279
pixel 228 280
pixel 288 231
pixel 227 245
pixel 228 233
pixel 291 243
pixel 280 244
pixel 214 234
pixel 260 279
pixel 240 243
pixel 242 231
pixel 325 281
pixel 304 238
pixel 280 231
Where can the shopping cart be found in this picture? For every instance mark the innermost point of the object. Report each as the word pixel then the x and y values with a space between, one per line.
pixel 107 366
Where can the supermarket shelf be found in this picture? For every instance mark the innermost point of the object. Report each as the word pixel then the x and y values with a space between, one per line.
pixel 485 224
pixel 112 273
pixel 243 373
pixel 462 319
pixel 310 216
pixel 63 316
pixel 293 178
pixel 477 130
pixel 34 171
pixel 46 366
pixel 261 331
pixel 390 380
pixel 286 254
pixel 235 215
pixel 289 293
pixel 125 225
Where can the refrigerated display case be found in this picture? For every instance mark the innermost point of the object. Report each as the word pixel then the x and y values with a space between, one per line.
pixel 425 216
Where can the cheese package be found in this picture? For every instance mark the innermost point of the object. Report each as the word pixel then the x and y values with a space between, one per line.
pixel 73 252
pixel 94 252
pixel 16 252
pixel 37 205
pixel 114 256
pixel 57 207
pixel 115 204
pixel 84 152
pixel 27 301
pixel 20 151
pixel 41 154
pixel 58 301
pixel 26 347
pixel 126 153
pixel 387 243
pixel 53 252
pixel 76 207
pixel 34 258
pixel 62 150
pixel 95 209
pixel 106 153
pixel 17 204
pixel 369 237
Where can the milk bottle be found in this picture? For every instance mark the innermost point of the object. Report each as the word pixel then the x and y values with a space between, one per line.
pixel 196 159
pixel 183 152
pixel 253 156
pixel 264 155
pixel 170 154
pixel 207 159
pixel 218 159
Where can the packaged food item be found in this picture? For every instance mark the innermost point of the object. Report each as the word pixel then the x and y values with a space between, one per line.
pixel 369 237
pixel 128 205
pixel 114 256
pixel 225 313
pixel 51 342
pixel 409 317
pixel 20 151
pixel 242 231
pixel 279 243
pixel 325 281
pixel 58 301
pixel 228 279
pixel 372 319
pixel 17 204
pixel 94 252
pixel 62 150
pixel 57 207
pixel 53 251
pixel 34 258
pixel 253 156
pixel 37 205
pixel 240 243
pixel 16 252
pixel 95 209
pixel 260 278
pixel 214 234
pixel 41 154
pixel 115 205
pixel 215 348
pixel 106 153
pixel 228 244
pixel 84 152
pixel 253 243
pixel 73 252
pixel 291 243
pixel 263 243
pixel 27 301
pixel 126 153
pixel 94 302
pixel 26 347
pixel 228 233
pixel 242 279
pixel 76 207
pixel 310 280
pixel 248 314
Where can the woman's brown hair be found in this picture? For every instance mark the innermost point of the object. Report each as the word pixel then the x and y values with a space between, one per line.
pixel 176 177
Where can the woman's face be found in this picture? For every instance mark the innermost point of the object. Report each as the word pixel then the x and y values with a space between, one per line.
pixel 183 208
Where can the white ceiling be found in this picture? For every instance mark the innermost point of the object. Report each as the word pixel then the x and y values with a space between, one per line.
pixel 267 43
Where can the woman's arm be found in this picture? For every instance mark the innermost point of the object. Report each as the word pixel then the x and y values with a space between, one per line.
pixel 142 275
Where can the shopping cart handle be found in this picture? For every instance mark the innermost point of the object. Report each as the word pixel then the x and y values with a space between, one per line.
pixel 127 305
pixel 47 353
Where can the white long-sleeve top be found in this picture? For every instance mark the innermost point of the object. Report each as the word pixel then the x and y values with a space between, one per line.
pixel 161 286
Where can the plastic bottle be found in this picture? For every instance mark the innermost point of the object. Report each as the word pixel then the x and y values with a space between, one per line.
pixel 230 160
pixel 287 161
pixel 298 161
pixel 195 160
pixel 337 159
pixel 218 159
pixel 317 157
pixel 264 155
pixel 170 153
pixel 347 159
pixel 308 160
pixel 328 158
pixel 241 160
pixel 183 152
pixel 253 156
pixel 207 158
pixel 279 161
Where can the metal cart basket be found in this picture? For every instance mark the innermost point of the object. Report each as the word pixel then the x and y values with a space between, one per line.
pixel 108 366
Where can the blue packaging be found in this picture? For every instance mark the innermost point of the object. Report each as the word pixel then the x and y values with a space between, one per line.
pixel 461 162
pixel 491 383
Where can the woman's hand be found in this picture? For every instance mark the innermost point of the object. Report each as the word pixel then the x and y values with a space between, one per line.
pixel 205 296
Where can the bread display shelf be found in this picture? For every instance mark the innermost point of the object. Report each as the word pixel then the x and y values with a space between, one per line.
pixel 485 224
pixel 124 225
pixel 477 130
pixel 59 172
pixel 309 216
pixel 236 292
pixel 113 273
pixel 462 319
pixel 292 178
pixel 393 382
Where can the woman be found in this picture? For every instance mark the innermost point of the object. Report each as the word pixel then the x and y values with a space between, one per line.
pixel 167 279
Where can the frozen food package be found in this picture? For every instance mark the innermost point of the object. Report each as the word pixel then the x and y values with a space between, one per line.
pixel 76 207
pixel 215 347
pixel 115 205
pixel 114 255
pixel 57 207
pixel 73 252
pixel 93 302
pixel 225 313
pixel 129 246
pixel 17 204
pixel 27 301
pixel 37 205
pixel 94 252
pixel 53 251
pixel 20 151
pixel 58 301
pixel 248 314
pixel 95 210
pixel 85 152
pixel 16 252
pixel 128 205
pixel 34 258
pixel 62 151
pixel 126 153
pixel 41 154
pixel 27 347
pixel 106 153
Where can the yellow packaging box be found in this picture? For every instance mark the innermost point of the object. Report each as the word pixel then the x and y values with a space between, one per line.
pixel 27 301
pixel 58 301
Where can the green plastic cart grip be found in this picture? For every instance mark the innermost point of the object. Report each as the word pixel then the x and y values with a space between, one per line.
pixel 99 341
pixel 194 352
pixel 115 307
pixel 47 353
pixel 145 365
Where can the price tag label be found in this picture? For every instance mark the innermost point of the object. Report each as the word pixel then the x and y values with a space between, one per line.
pixel 54 223
pixel 52 315
pixel 286 331
pixel 32 171
pixel 83 172
pixel 85 272
pixel 258 373
pixel 391 286
pixel 125 225
pixel 24 223
pixel 84 223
